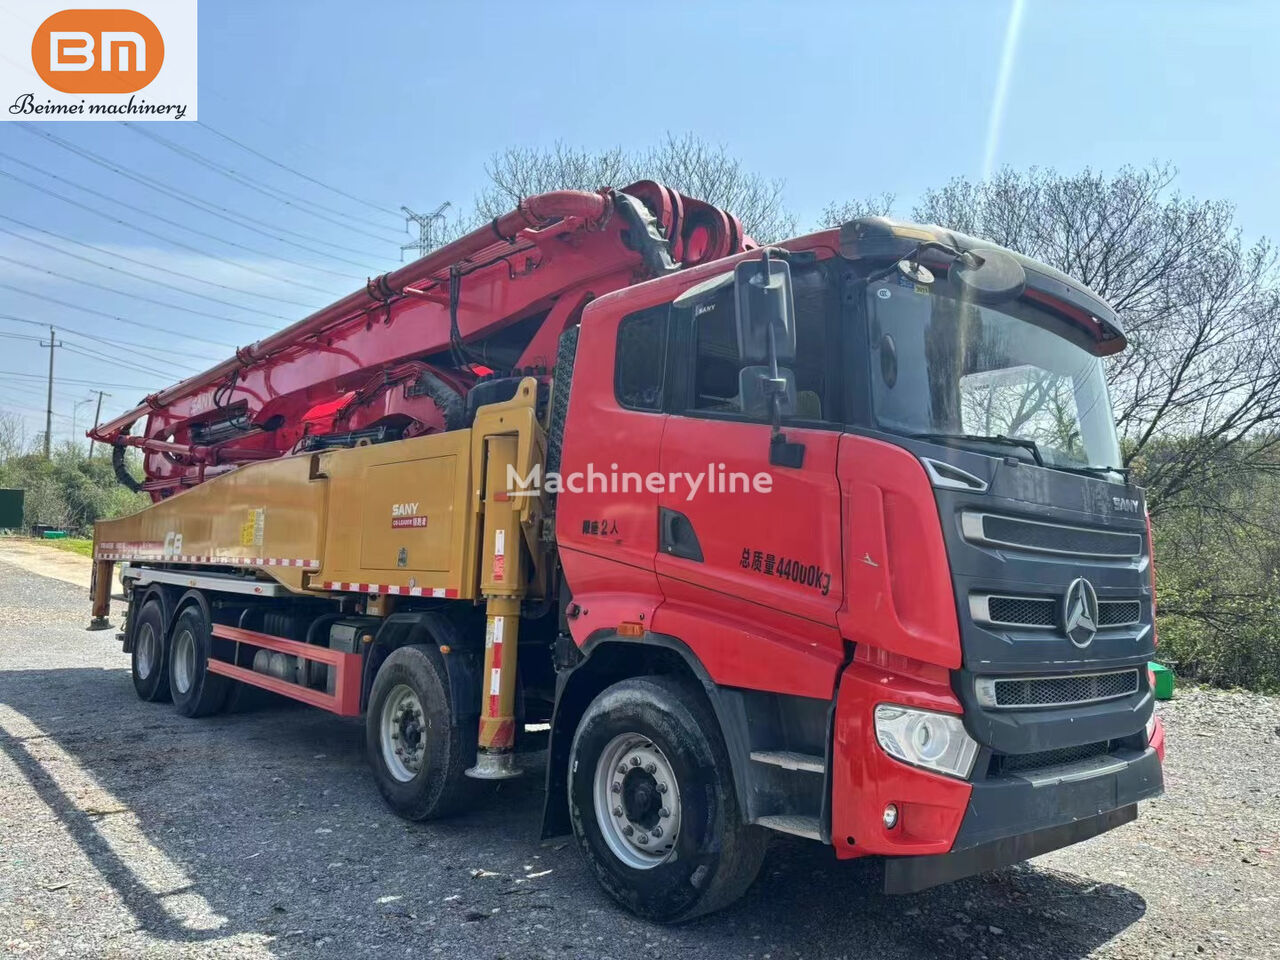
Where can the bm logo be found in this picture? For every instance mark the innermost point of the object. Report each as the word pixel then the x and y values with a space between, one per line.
pixel 97 51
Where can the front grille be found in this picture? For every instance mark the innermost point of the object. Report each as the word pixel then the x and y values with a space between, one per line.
pixel 1070 689
pixel 1027 762
pixel 1045 612
pixel 1117 613
pixel 1050 537
pixel 1024 611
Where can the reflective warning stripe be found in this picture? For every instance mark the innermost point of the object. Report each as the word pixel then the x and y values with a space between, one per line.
pixel 495 673
pixel 159 557
pixel 388 589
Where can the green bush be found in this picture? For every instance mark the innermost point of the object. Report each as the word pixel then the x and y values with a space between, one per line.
pixel 1217 553
pixel 70 490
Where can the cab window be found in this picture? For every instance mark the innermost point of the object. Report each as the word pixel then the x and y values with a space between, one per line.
pixel 640 359
pixel 716 365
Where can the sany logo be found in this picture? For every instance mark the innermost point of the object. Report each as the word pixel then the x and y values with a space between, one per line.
pixel 404 509
pixel 97 51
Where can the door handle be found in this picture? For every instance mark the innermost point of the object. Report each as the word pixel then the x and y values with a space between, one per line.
pixel 676 537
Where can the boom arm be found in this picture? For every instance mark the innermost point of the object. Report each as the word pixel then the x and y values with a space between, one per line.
pixel 397 358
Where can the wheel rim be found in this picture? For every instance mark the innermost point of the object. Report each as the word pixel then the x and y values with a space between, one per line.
pixel 637 801
pixel 148 650
pixel 403 733
pixel 184 660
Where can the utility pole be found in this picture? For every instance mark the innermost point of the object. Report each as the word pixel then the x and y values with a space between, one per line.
pixel 426 229
pixel 97 416
pixel 48 414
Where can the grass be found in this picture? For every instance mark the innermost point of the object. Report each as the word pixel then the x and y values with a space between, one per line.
pixel 72 545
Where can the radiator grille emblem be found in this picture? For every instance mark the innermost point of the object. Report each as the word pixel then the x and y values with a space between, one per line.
pixel 1080 613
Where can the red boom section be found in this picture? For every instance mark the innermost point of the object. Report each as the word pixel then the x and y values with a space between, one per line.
pixel 397 358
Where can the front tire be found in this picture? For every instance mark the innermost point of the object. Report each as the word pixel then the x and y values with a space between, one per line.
pixel 417 751
pixel 652 802
pixel 149 666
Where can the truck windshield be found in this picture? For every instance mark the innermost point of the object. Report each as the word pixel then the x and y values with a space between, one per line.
pixel 940 366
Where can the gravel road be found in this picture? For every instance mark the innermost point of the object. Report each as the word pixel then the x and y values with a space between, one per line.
pixel 126 830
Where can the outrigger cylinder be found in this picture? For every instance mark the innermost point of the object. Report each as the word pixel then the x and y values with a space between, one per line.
pixel 502 582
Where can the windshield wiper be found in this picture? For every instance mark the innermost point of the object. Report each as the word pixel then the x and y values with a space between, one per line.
pixel 984 438
pixel 1091 470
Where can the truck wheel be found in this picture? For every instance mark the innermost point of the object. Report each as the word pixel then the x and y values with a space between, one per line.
pixel 418 753
pixel 196 692
pixel 652 802
pixel 150 669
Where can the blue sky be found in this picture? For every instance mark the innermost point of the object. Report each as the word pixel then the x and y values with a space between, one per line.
pixel 403 105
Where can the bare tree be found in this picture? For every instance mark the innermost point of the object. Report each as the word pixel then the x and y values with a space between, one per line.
pixel 1198 390
pixel 13 436
pixel 880 205
pixel 686 162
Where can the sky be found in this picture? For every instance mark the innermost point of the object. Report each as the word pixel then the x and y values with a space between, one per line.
pixel 404 103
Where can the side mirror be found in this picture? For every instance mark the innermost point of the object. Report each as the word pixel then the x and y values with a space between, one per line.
pixel 987 276
pixel 765 311
pixel 756 391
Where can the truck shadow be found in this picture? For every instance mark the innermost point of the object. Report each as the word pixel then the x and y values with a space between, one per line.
pixel 263 825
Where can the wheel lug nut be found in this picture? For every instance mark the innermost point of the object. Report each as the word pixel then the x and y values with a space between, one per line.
pixel 664 812
pixel 617 811
pixel 622 768
pixel 635 761
pixel 662 788
pixel 616 788
pixel 628 830
pixel 650 768
pixel 643 838
pixel 656 831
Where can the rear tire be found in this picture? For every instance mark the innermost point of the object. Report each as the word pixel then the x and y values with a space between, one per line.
pixel 150 666
pixel 417 751
pixel 652 802
pixel 196 692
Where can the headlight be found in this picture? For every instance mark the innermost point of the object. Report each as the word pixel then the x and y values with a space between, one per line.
pixel 1151 726
pixel 923 738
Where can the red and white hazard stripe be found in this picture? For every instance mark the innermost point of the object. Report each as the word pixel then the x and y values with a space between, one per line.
pixel 388 589
pixel 159 556
pixel 497 626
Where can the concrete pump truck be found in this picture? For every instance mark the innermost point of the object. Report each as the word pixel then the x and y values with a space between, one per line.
pixel 829 538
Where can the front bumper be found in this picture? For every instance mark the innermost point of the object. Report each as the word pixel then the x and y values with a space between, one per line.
pixel 911 874
pixel 949 828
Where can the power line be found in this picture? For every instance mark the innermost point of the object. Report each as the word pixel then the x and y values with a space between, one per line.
pixel 134 296
pixel 138 276
pixel 275 193
pixel 153 266
pixel 112 316
pixel 92 383
pixel 102 356
pixel 141 347
pixel 179 243
pixel 242 220
pixel 97 354
pixel 277 163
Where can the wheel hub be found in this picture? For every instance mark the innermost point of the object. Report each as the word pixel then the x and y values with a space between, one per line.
pixel 148 647
pixel 403 733
pixel 637 801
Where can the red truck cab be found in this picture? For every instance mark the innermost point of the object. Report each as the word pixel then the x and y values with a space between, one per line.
pixel 925 636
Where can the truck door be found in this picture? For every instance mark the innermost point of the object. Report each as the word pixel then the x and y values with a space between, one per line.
pixel 754 545
pixel 607 514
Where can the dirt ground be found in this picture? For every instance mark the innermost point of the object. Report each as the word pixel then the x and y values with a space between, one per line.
pixel 127 830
